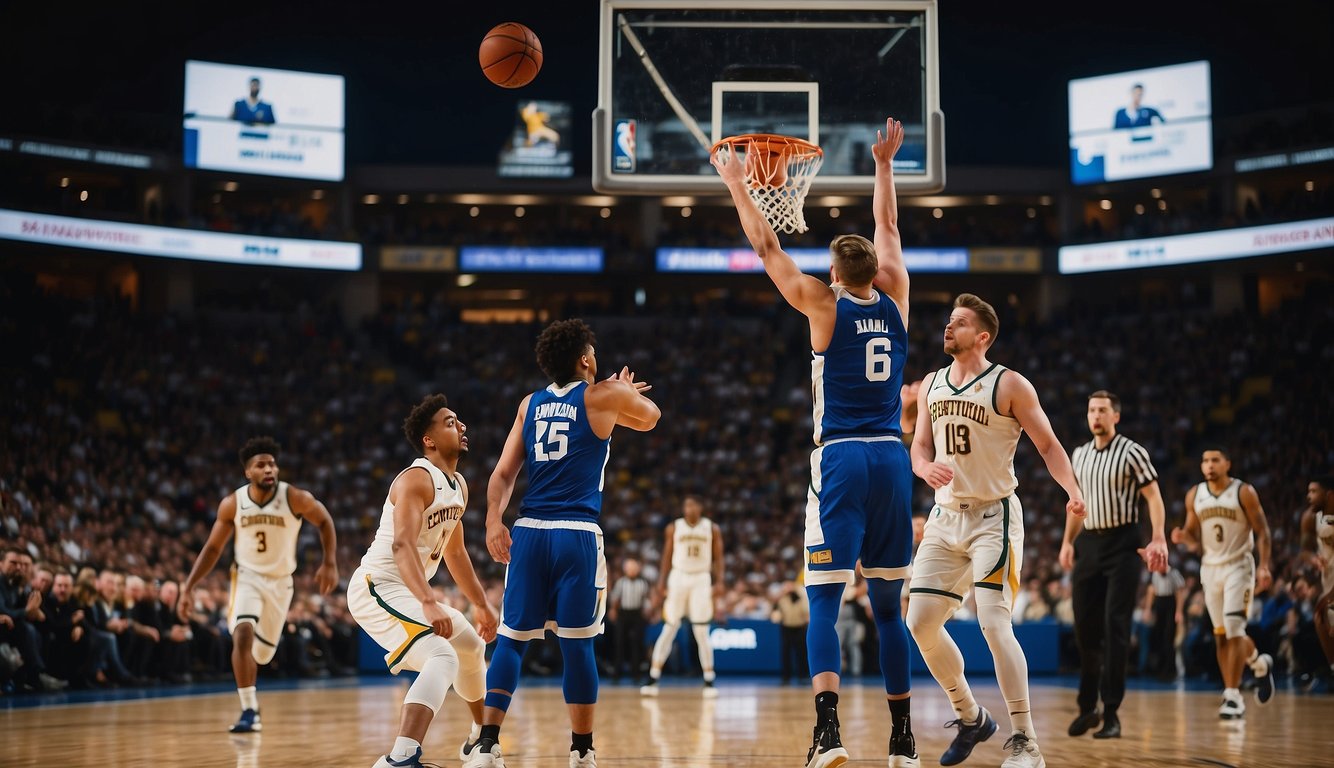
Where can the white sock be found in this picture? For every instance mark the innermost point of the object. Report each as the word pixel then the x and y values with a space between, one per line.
pixel 709 675
pixel 476 732
pixel 655 673
pixel 248 698
pixel 1232 694
pixel 404 747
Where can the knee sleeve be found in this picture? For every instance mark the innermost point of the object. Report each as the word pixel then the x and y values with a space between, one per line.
pixel 822 652
pixel 701 632
pixel 438 667
pixel 1234 625
pixel 580 682
pixel 502 677
pixel 888 611
pixel 927 615
pixel 471 682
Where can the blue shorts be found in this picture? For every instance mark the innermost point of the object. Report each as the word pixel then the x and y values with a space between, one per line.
pixel 557 579
pixel 859 507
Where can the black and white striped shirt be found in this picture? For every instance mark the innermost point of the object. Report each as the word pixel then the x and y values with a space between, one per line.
pixel 1111 479
pixel 629 593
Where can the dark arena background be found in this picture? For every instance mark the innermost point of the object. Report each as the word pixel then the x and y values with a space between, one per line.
pixel 297 220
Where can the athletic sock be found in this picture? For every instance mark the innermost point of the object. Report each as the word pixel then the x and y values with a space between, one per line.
pixel 826 708
pixel 249 700
pixel 581 742
pixel 476 732
pixel 900 716
pixel 404 747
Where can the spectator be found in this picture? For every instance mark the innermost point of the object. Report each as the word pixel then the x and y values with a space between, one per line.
pixel 792 614
pixel 20 615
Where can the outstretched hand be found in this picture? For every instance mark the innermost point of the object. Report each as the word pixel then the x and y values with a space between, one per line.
pixel 731 166
pixel 628 376
pixel 887 142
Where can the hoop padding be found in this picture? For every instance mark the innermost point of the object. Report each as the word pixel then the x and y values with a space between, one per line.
pixel 779 170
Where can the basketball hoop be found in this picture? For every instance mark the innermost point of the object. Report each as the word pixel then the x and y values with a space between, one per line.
pixel 779 170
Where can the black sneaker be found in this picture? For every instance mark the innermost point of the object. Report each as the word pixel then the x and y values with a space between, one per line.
pixel 826 747
pixel 968 737
pixel 903 751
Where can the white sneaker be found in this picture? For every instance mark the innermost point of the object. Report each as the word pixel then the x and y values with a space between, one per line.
pixel 649 689
pixel 479 759
pixel 710 692
pixel 589 760
pixel 1024 753
pixel 469 747
pixel 1232 709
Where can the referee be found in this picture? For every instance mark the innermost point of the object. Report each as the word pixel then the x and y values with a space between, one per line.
pixel 626 604
pixel 1113 472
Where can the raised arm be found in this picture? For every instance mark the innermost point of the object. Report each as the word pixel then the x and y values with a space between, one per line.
pixel 1255 514
pixel 892 275
pixel 1018 393
pixel 805 293
pixel 501 487
pixel 223 528
pixel 619 401
pixel 313 510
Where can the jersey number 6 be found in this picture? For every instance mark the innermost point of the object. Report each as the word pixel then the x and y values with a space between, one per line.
pixel 877 359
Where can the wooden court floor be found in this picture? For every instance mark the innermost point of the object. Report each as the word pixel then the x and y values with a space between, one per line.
pixel 749 724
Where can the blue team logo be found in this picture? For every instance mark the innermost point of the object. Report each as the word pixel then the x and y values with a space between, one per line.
pixel 623 148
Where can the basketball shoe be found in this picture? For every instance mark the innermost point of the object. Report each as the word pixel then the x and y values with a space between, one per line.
pixel 1023 753
pixel 903 751
pixel 826 747
pixel 710 692
pixel 248 723
pixel 485 754
pixel 466 751
pixel 1231 709
pixel 1264 678
pixel 413 760
pixel 589 760
pixel 969 735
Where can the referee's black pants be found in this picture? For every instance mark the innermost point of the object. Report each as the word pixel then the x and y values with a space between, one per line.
pixel 1105 584
pixel 629 633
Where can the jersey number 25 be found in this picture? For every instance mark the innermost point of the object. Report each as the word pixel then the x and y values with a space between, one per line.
pixel 552 442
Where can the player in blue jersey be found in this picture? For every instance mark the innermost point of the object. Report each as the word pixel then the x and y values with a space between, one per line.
pixel 861 476
pixel 557 575
pixel 251 110
pixel 1135 114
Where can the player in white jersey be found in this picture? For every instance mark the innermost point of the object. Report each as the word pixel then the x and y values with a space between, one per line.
pixel 691 575
pixel 1223 519
pixel 265 514
pixel 969 418
pixel 1317 526
pixel 390 594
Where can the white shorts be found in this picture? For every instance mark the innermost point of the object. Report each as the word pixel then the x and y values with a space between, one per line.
pixel 263 602
pixel 1227 590
pixel 688 594
pixel 982 548
pixel 393 617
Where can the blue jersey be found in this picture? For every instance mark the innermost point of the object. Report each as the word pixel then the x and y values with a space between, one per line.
pixel 856 381
pixel 565 459
pixel 261 113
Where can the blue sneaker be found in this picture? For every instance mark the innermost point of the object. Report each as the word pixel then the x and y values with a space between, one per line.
pixel 249 722
pixel 968 737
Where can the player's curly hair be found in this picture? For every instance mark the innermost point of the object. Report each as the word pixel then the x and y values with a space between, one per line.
pixel 257 445
pixel 419 420
pixel 559 348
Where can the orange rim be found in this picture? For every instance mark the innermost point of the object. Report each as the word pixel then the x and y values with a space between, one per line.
pixel 773 143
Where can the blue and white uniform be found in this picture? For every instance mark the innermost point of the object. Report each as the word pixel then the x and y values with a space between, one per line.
pixel 557 574
pixel 858 506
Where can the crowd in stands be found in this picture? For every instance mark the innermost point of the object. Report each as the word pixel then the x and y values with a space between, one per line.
pixel 123 426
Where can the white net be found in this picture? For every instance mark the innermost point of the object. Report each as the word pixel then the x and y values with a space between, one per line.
pixel 779 170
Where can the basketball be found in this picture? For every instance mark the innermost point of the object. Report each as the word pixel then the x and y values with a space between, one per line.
pixel 511 55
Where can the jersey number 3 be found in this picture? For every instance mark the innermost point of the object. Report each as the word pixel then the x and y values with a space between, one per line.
pixel 552 442
pixel 878 363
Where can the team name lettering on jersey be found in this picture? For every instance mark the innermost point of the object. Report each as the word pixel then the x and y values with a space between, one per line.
pixel 443 515
pixel 1209 512
pixel 249 520
pixel 872 325
pixel 969 410
pixel 557 410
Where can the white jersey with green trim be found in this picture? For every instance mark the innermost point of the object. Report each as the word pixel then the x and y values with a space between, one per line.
pixel 1324 537
pixel 439 521
pixel 266 534
pixel 1225 531
pixel 692 546
pixel 973 439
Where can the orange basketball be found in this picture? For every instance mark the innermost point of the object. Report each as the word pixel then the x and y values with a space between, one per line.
pixel 510 55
